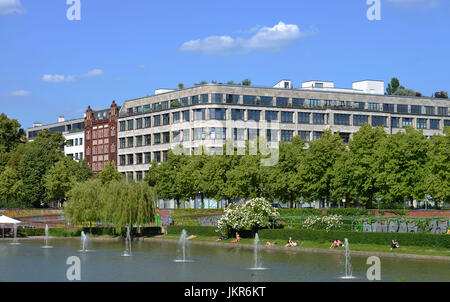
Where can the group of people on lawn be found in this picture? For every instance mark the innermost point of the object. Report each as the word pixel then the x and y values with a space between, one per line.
pixel 336 243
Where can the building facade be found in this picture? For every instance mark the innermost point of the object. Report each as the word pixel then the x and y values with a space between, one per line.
pixel 207 115
pixel 72 130
pixel 100 137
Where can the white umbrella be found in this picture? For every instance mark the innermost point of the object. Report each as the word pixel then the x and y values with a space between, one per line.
pixel 8 220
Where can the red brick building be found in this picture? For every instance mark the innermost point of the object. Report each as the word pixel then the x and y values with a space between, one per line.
pixel 100 136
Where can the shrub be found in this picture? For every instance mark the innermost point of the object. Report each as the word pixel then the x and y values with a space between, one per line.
pixel 347 211
pixel 326 223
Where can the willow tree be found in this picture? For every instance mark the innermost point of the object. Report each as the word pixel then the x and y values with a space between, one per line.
pixel 128 204
pixel 84 204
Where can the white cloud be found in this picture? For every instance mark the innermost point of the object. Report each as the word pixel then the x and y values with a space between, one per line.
pixel 57 78
pixel 264 38
pixel 10 7
pixel 141 66
pixel 18 93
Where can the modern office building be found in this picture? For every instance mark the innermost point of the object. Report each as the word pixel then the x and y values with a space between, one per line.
pixel 206 115
pixel 100 136
pixel 72 130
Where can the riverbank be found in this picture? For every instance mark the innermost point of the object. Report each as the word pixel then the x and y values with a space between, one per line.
pixel 411 252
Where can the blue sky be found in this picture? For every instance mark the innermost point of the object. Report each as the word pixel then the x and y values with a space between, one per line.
pixel 119 50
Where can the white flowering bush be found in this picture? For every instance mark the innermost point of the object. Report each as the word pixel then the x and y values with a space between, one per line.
pixel 254 214
pixel 326 223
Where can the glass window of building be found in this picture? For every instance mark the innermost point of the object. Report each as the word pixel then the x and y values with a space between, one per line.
pixel 147 122
pixel 176 117
pixel 249 99
pixel 217 133
pixel 297 103
pixel 157 120
pixel 282 102
pixel 139 174
pixel 252 134
pixel 186 116
pixel 204 98
pixel 359 105
pixel 122 125
pixel 166 137
pixel 271 115
pixel 266 100
pixel 317 135
pixel 165 105
pixel 194 99
pixel 217 113
pixel 237 114
pixel 232 99
pixel 416 109
pixel 147 157
pixel 303 117
pixel 388 107
pixel 406 121
pixel 319 118
pixel 139 123
pixel 421 123
pixel 329 103
pixel 443 111
pixel 148 139
pixel 146 108
pixel 157 138
pixel 287 117
pixel 216 98
pixel 130 159
pixel 395 122
pixel 130 142
pixel 130 124
pixel 378 121
pixel 238 134
pixel 157 156
pixel 186 135
pixel 434 124
pixel 286 135
pixel 446 123
pixel 374 106
pixel 359 120
pixel 341 119
pixel 185 101
pixel 166 119
pixel 254 115
pixel 313 103
pixel 139 158
pixel 429 110
pixel 199 134
pixel 271 135
pixel 139 141
pixel 402 108
pixel 199 114
pixel 122 160
pixel 164 155
pixel 306 135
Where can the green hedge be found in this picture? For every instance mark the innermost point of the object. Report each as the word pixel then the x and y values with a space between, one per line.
pixel 193 230
pixel 347 211
pixel 413 239
pixel 58 232
pixel 300 212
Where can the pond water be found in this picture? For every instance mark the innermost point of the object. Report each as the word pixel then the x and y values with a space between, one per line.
pixel 155 261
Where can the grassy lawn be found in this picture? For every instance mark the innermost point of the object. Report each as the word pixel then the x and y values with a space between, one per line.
pixel 415 250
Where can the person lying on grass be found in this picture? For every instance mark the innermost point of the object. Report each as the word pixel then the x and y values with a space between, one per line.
pixel 271 243
pixel 237 238
pixel 291 243
pixel 336 243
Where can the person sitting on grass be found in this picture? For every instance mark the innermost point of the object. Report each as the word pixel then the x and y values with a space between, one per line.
pixel 271 243
pixel 291 243
pixel 336 243
pixel 394 244
pixel 237 238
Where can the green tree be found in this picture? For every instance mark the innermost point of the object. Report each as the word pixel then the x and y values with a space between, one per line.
pixel 11 189
pixel 437 181
pixel 11 133
pixel 37 159
pixel 109 173
pixel 393 86
pixel 180 86
pixel 85 205
pixel 246 82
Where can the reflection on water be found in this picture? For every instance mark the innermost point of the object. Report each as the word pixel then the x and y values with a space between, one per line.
pixel 153 261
